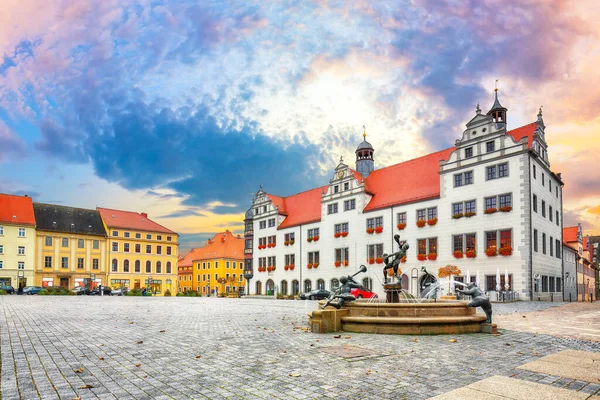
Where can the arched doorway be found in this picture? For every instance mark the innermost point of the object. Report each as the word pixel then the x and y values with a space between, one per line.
pixel 295 287
pixel 320 284
pixel 270 287
pixel 335 284
pixel 258 287
pixel 284 288
pixel 307 286
pixel 405 281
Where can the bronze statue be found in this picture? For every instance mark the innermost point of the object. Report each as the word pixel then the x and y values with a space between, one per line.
pixel 478 299
pixel 342 294
pixel 392 261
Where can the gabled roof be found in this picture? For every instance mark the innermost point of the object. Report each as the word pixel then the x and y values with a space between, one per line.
pixel 186 260
pixel 16 210
pixel 301 208
pixel 222 245
pixel 525 130
pixel 131 220
pixel 55 218
pixel 570 234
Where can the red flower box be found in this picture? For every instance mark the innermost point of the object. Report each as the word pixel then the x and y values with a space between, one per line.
pixel 379 260
pixel 286 268
pixel 371 260
pixel 421 257
pixel 470 253
pixel 292 242
pixel 337 234
pixel 286 243
pixel 338 263
pixel 432 221
pixel 346 263
pixel 370 231
pixel 309 266
pixel 344 234
pixel 506 209
pixel 457 216
pixel 432 256
pixel 458 254
pixel 469 214
pixel 379 229
pixel 401 225
pixel 315 265
pixel 292 267
pixel 491 252
pixel 316 238
pixel 505 251
pixel 490 210
pixel 421 223
pixel 310 239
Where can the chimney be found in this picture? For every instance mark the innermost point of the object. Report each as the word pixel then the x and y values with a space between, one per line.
pixel 144 215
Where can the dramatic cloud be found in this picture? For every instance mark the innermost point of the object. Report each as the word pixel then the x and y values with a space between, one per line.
pixel 9 143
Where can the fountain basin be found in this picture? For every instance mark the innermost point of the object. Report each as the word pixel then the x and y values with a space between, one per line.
pixel 424 318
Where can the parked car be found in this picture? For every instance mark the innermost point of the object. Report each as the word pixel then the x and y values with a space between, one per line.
pixel 8 289
pixel 119 292
pixel 32 289
pixel 317 294
pixel 105 290
pixel 363 293
pixel 81 290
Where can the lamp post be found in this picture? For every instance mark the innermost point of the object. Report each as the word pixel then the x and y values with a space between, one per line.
pixel 20 278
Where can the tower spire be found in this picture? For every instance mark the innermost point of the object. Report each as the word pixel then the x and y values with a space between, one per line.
pixel 364 132
pixel 497 112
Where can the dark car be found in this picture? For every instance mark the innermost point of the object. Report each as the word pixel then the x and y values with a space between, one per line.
pixel 119 292
pixel 105 290
pixel 317 294
pixel 32 289
pixel 81 290
pixel 8 289
pixel 363 292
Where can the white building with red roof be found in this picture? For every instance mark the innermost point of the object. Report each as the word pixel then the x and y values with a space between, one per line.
pixel 490 205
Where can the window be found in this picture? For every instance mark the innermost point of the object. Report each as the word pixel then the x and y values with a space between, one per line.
pixel 492 285
pixel 491 172
pixel 490 202
pixel 158 237
pixel 289 238
pixel 346 186
pixel 168 250
pixel 458 180
pixel 422 246
pixel 421 215
pixel 64 262
pixel 148 236
pixel 21 232
pixel 505 200
pixel 490 240
pixel 375 222
pixel 549 185
pixel 1 264
pixel 401 217
pixel 489 147
pixel 271 222
pixel 557 248
pixel 138 248
pixel 432 213
pixel 464 178
pixel 148 248
pixel 115 265
pixel 115 233
pixel 168 238
pixel 290 259
pixel 558 284
pixel 312 233
pixel 227 264
pixel 534 203
pixel 550 213
pixel 138 235
pixel 262 224
pixel 48 241
pixel 470 207
pixel 21 265
pixel 158 267
pixel 126 247
pixel 534 173
pixel 343 227
pixel 95 244
pixel 468 177
pixel 551 246
pixel 457 209
pixel 332 208
pixel 65 242
pixel 148 267
pixel 457 243
pixel 126 234
pixel 115 246
pixel 94 263
pixel 169 268
pixel 336 189
pixel 543 179
pixel 21 250
pixel 502 170
pixel 80 263
pixel 557 218
pixel 552 280
pixel 506 238
pixel 544 283
pixel 158 249
pixel 432 242
pixel 535 240
pixel 271 261
pixel 544 243
pixel 349 204
pixel 374 251
pixel 543 208
pixel 47 262
pixel 1 249
pixel 468 152
pixel 342 256
pixel 1 230
pixel 272 239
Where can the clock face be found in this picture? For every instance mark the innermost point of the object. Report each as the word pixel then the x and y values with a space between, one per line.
pixel 340 174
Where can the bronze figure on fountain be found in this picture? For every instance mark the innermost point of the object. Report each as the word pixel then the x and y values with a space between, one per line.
pixel 392 261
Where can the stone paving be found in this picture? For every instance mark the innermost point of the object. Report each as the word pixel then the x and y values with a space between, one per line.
pixel 180 348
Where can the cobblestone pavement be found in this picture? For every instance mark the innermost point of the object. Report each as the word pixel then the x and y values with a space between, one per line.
pixel 163 348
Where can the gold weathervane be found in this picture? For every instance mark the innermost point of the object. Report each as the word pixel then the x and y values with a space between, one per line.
pixel 364 133
pixel 496 85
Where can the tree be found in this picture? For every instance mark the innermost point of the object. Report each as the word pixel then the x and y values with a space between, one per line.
pixel 447 271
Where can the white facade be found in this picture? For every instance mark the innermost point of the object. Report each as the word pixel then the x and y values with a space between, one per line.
pixel 484 147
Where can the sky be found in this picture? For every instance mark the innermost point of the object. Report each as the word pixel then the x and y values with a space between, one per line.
pixel 181 109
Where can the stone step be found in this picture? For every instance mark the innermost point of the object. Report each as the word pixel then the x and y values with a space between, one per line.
pixel 424 310
pixel 414 325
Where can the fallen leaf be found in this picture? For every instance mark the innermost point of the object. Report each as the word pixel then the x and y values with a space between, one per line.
pixel 76 398
pixel 369 372
pixel 317 340
pixel 91 374
pixel 78 371
pixel 138 365
pixel 294 375
pixel 513 375
pixel 347 337
pixel 86 387
pixel 415 340
pixel 222 387
pixel 524 316
pixel 101 358
pixel 145 376
pixel 131 323
pixel 140 342
pixel 101 345
pixel 197 356
pixel 453 340
pixel 163 331
pixel 337 336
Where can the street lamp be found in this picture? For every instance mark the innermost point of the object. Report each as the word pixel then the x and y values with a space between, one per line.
pixel 20 278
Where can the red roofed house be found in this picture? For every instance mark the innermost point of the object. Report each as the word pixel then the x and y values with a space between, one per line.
pixel 579 269
pixel 184 271
pixel 17 241
pixel 490 205
pixel 142 253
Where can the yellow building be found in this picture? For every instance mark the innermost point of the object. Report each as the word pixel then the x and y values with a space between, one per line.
pixel 141 253
pixel 70 247
pixel 17 241
pixel 218 267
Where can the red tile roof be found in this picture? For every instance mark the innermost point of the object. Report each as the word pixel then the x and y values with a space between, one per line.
pixel 222 245
pixel 186 260
pixel 130 220
pixel 16 210
pixel 570 234
pixel 402 183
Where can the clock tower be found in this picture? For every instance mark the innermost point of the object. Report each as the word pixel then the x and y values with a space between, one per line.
pixel 364 157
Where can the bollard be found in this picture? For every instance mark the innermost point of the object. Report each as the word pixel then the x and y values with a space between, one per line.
pixel 570 299
pixel 552 297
